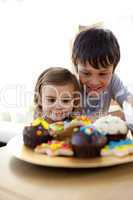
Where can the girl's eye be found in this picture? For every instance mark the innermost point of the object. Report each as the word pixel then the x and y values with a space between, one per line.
pixel 65 101
pixel 51 100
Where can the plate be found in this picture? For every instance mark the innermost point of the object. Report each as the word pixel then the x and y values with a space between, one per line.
pixel 19 150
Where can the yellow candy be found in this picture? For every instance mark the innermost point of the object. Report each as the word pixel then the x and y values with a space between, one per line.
pixel 41 121
pixel 39 132
pixel 55 146
pixel 36 122
pixel 45 124
pixel 43 145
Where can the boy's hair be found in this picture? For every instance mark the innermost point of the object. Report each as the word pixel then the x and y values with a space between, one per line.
pixel 53 76
pixel 99 47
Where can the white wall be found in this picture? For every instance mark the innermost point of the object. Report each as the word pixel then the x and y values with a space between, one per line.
pixel 35 34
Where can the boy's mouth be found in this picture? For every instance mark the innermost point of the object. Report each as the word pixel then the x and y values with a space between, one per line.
pixel 94 89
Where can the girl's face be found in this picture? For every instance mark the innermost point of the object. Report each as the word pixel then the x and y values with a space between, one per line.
pixel 95 80
pixel 57 101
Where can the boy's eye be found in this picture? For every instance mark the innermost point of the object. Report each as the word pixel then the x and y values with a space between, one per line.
pixel 103 74
pixel 85 73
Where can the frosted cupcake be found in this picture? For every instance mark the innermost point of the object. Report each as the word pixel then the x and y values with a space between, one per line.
pixel 87 142
pixel 111 126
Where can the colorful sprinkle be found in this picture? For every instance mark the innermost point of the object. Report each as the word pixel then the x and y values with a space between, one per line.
pixel 118 148
pixel 38 132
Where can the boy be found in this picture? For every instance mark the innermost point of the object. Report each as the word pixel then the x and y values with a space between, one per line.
pixel 96 54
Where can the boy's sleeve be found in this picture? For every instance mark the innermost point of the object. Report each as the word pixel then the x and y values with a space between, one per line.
pixel 119 91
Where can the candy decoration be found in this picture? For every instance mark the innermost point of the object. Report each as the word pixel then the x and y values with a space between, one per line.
pixel 54 148
pixel 84 119
pixel 38 132
pixel 40 121
pixel 118 148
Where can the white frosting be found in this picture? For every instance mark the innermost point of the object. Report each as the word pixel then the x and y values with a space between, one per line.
pixel 111 125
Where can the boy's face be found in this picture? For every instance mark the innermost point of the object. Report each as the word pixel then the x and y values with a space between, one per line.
pixel 57 101
pixel 95 80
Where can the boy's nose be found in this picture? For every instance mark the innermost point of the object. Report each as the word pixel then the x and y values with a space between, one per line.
pixel 94 82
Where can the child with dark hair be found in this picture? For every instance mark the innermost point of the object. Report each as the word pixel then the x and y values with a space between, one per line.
pixel 96 54
pixel 57 94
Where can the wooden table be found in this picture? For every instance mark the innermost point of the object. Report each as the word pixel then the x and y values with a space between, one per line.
pixel 21 180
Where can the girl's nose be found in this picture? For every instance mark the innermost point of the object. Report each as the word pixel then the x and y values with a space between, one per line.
pixel 58 105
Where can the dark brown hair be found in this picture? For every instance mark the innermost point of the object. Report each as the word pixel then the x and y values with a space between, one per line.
pixel 54 76
pixel 99 47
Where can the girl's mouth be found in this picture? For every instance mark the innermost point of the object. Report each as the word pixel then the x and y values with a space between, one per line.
pixel 58 115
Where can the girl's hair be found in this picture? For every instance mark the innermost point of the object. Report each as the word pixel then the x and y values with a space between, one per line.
pixel 54 76
pixel 99 47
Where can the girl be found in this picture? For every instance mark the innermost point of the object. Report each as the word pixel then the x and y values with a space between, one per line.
pixel 57 95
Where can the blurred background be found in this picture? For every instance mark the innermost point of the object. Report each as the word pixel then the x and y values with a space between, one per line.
pixel 36 34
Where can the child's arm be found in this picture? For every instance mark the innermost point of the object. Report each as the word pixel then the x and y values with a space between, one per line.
pixel 119 91
pixel 130 99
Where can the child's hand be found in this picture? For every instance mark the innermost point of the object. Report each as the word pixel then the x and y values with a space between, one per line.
pixel 68 130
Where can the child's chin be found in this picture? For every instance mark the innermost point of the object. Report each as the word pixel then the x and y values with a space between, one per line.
pixel 95 93
pixel 59 118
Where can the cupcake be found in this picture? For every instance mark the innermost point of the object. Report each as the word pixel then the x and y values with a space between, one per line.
pixel 87 142
pixel 111 126
pixel 36 133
